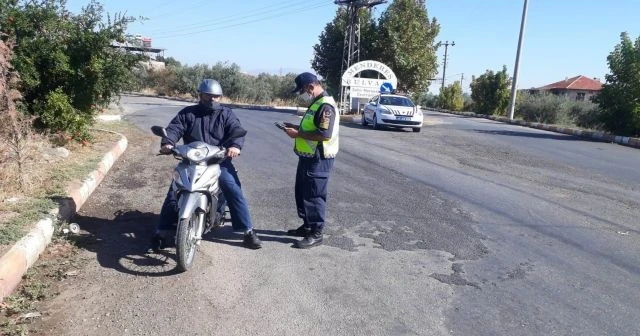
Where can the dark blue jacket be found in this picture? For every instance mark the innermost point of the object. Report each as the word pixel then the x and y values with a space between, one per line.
pixel 198 123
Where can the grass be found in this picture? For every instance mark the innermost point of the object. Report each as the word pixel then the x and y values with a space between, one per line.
pixel 52 180
pixel 14 307
pixel 11 327
pixel 60 261
pixel 26 212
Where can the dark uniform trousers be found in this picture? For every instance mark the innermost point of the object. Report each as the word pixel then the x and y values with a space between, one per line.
pixel 312 178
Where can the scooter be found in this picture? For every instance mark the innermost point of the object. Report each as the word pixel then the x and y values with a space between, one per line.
pixel 201 205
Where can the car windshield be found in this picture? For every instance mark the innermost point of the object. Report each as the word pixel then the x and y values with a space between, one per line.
pixel 396 101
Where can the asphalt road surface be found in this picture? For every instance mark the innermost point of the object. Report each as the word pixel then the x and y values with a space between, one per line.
pixel 471 227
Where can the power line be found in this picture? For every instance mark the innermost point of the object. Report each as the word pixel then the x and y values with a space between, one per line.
pixel 228 18
pixel 214 27
pixel 189 8
pixel 234 18
pixel 161 5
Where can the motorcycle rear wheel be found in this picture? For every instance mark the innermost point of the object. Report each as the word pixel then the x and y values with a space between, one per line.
pixel 186 242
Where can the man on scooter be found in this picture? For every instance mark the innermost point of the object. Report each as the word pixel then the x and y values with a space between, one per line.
pixel 210 122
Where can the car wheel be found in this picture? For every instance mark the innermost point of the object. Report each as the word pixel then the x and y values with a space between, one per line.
pixel 417 129
pixel 375 122
pixel 364 120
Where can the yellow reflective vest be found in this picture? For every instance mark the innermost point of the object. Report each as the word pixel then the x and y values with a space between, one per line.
pixel 307 148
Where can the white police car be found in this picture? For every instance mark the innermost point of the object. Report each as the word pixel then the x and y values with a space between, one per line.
pixel 392 110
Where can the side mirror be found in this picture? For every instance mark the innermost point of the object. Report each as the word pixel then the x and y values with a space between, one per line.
pixel 159 131
pixel 374 103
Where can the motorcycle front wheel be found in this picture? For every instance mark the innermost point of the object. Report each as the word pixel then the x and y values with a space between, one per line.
pixel 186 241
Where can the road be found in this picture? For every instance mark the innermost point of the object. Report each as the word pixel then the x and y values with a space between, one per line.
pixel 471 227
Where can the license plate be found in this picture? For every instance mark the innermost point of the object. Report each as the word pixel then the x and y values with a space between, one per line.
pixel 403 118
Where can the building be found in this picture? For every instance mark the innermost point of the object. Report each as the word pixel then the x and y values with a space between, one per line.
pixel 577 88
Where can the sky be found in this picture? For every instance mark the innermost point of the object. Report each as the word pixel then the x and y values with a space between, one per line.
pixel 562 38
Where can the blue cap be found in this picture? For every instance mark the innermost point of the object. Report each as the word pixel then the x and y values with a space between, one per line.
pixel 303 80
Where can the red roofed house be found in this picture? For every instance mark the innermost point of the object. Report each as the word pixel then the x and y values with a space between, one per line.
pixel 578 88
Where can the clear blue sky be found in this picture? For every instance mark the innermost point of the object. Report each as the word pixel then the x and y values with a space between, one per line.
pixel 563 38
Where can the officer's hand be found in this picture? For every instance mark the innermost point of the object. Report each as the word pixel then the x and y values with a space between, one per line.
pixel 233 152
pixel 166 149
pixel 290 125
pixel 292 133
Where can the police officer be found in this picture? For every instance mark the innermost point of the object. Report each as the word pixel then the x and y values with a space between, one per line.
pixel 316 144
pixel 210 122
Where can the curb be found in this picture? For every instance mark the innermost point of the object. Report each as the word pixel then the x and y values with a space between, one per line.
pixel 594 135
pixel 23 254
pixel 109 117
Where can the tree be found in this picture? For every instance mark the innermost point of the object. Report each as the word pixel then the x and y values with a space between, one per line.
pixel 491 91
pixel 451 97
pixel 169 61
pixel 619 98
pixel 328 52
pixel 66 63
pixel 15 130
pixel 405 43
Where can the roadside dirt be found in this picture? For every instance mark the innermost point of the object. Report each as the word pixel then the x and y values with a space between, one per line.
pixel 65 258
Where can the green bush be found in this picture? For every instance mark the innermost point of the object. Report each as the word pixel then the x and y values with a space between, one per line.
pixel 490 92
pixel 619 98
pixel 177 79
pixel 543 108
pixel 553 109
pixel 60 116
pixel 427 99
pixel 586 114
pixel 451 97
pixel 66 63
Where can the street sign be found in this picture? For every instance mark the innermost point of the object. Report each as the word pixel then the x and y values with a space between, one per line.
pixel 363 92
pixel 386 87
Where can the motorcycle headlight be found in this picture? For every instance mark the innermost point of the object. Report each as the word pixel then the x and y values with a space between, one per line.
pixel 197 154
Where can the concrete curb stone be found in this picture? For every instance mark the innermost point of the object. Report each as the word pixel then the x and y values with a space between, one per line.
pixel 24 253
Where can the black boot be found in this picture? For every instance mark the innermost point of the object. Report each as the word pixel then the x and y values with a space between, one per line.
pixel 251 240
pixel 162 239
pixel 301 231
pixel 311 240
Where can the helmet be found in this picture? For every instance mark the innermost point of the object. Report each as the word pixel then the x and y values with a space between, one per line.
pixel 210 86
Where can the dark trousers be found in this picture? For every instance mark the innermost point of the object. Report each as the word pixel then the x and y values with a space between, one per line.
pixel 231 189
pixel 312 179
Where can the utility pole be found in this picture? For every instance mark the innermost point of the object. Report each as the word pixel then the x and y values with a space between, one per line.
pixel 512 104
pixel 446 47
pixel 351 46
pixel 461 78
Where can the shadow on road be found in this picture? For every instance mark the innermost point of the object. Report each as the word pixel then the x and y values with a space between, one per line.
pixel 532 135
pixel 226 235
pixel 384 129
pixel 122 243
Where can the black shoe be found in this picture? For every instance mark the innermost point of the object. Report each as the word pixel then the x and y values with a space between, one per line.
pixel 310 241
pixel 251 241
pixel 158 243
pixel 301 231
pixel 163 239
